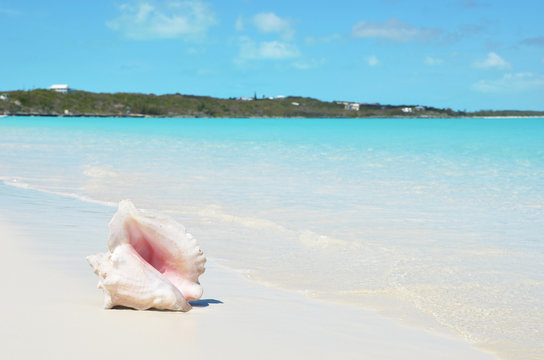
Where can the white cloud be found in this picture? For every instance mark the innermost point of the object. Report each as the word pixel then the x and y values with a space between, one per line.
pixel 283 47
pixel 277 50
pixel 268 22
pixel 493 61
pixel 511 83
pixel 152 19
pixel 372 60
pixel 430 60
pixel 394 30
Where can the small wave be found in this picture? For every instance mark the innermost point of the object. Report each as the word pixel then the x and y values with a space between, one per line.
pixel 217 213
pixel 22 185
pixel 306 237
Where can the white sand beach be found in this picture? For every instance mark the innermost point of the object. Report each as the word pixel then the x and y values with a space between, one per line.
pixel 388 238
pixel 49 312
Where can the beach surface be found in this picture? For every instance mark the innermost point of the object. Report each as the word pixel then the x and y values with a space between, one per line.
pixel 435 224
pixel 51 308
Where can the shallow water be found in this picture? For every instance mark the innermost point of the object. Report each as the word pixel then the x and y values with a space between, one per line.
pixel 438 222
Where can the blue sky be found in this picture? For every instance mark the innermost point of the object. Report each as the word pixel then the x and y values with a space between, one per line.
pixel 461 54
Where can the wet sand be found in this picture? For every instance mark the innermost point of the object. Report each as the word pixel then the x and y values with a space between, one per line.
pixel 51 309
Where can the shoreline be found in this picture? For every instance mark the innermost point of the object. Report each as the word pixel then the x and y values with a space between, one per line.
pixel 45 102
pixel 237 318
pixel 144 116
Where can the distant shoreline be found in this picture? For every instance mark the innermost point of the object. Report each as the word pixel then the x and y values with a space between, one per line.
pixel 144 116
pixel 43 102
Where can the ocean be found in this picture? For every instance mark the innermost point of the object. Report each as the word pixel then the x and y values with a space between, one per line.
pixel 437 223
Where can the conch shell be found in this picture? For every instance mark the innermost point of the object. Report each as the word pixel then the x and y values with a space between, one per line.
pixel 152 262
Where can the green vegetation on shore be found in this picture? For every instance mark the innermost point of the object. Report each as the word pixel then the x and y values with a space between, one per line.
pixel 42 102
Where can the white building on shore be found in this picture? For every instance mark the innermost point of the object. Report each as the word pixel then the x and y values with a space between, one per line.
pixel 61 88
pixel 351 106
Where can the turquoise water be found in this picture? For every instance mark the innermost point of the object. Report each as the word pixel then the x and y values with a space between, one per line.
pixel 436 222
